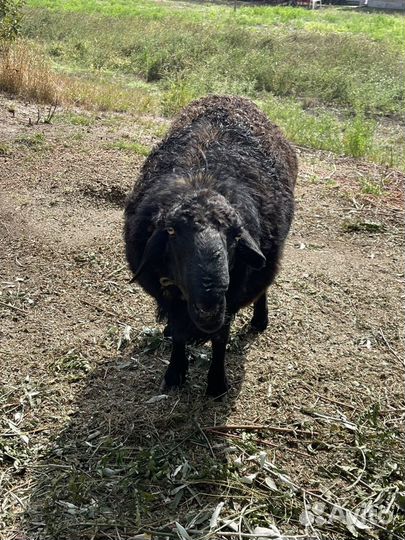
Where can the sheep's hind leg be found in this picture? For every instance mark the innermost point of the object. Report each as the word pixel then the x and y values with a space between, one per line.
pixel 260 317
pixel 217 381
pixel 176 373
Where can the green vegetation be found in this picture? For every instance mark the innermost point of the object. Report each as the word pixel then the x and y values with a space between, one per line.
pixel 375 25
pixel 369 187
pixel 353 137
pixel 132 146
pixel 360 226
pixel 4 149
pixel 10 19
pixel 34 142
pixel 327 77
pixel 192 58
pixel 79 119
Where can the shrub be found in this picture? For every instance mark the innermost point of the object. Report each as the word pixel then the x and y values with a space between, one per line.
pixel 358 137
pixel 10 19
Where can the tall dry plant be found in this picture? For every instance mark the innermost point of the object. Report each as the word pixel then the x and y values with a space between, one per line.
pixel 25 73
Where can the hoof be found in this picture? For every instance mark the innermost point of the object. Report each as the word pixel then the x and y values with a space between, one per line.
pixel 173 379
pixel 217 389
pixel 259 325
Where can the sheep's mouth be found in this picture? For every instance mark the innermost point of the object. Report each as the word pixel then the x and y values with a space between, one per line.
pixel 208 321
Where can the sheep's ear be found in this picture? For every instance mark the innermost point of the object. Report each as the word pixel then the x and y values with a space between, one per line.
pixel 250 252
pixel 153 250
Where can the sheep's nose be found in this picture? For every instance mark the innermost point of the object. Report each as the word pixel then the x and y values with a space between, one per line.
pixel 206 312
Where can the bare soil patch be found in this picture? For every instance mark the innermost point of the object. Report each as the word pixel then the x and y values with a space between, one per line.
pixel 85 454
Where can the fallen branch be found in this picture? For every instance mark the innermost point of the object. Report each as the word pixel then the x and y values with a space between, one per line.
pixel 101 310
pixel 260 441
pixel 335 401
pixel 331 400
pixel 12 307
pixel 116 271
pixel 390 348
pixel 257 427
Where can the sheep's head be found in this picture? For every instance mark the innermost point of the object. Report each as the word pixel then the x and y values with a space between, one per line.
pixel 198 241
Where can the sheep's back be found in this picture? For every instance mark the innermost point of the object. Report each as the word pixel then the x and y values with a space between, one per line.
pixel 228 144
pixel 226 112
pixel 203 123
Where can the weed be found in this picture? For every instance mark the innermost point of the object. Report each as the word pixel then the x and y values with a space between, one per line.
pixel 363 227
pixel 132 146
pixel 77 137
pixel 10 19
pixel 371 187
pixel 331 183
pixel 184 51
pixel 5 149
pixel 320 130
pixel 381 27
pixel 79 119
pixel 178 95
pixel 151 60
pixel 34 142
pixel 72 364
pixel 108 96
pixel 154 129
pixel 358 136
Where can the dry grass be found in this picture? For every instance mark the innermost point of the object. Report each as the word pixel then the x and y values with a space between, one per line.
pixel 26 73
pixel 85 453
pixel 107 96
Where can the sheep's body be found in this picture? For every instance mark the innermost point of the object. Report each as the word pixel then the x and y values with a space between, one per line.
pixel 221 158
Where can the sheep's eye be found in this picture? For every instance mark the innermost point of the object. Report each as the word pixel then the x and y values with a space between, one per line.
pixel 171 231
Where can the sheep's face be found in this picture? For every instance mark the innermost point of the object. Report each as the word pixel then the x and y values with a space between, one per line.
pixel 198 265
pixel 195 246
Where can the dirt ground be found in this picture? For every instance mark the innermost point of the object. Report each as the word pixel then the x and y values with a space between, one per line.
pixel 85 454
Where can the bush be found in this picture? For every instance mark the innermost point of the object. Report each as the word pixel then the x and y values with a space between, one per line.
pixel 10 19
pixel 358 137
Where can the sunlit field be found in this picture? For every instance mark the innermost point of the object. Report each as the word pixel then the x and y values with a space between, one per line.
pixel 308 443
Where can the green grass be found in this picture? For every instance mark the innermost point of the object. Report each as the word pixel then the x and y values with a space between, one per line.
pixel 132 146
pixel 4 149
pixel 369 187
pixel 78 119
pixel 35 142
pixel 353 136
pixel 332 68
pixel 321 75
pixel 377 26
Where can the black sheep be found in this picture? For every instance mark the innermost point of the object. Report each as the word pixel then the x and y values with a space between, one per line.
pixel 206 223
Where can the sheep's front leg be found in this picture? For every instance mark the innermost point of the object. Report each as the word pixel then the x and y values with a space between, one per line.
pixel 217 381
pixel 176 373
pixel 260 318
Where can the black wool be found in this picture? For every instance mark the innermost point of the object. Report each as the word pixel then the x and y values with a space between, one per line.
pixel 206 223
